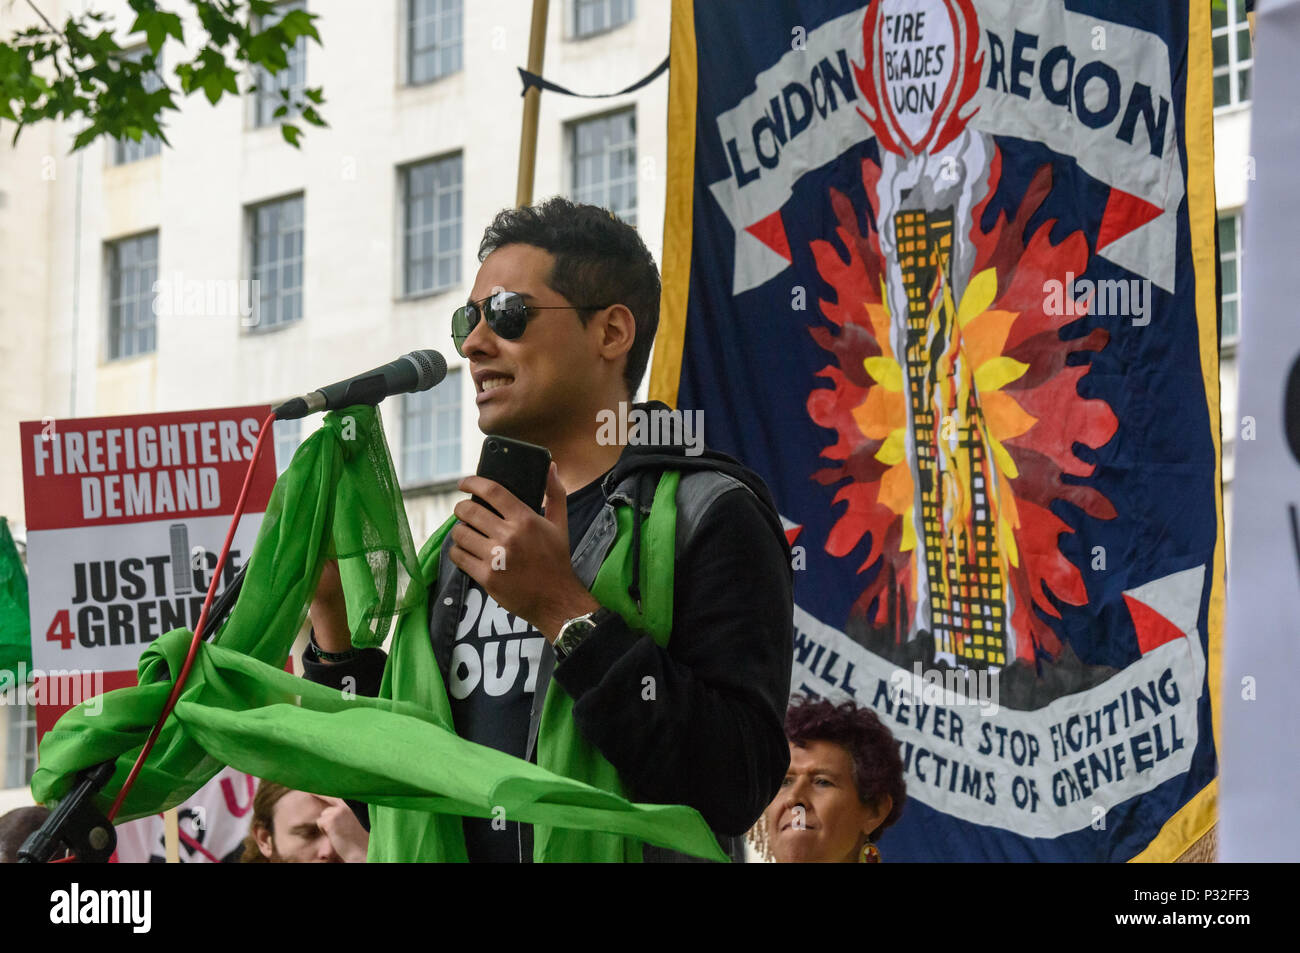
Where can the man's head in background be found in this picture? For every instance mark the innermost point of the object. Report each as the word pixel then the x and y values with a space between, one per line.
pixel 15 827
pixel 285 828
pixel 587 306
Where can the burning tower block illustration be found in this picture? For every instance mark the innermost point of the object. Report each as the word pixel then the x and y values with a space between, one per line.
pixel 968 612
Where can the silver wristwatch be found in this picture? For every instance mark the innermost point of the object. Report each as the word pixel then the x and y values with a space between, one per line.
pixel 575 631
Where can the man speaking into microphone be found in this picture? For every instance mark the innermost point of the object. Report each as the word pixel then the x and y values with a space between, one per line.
pixel 670 671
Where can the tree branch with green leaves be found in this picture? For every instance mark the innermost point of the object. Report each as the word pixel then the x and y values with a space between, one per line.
pixel 79 72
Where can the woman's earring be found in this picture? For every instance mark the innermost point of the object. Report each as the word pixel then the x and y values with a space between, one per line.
pixel 870 854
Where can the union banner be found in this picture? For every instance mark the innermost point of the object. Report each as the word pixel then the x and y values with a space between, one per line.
pixel 942 271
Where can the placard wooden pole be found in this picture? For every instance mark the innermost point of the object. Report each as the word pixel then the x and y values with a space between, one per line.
pixel 172 836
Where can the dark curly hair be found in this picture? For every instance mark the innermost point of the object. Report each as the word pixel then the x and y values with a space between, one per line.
pixel 599 260
pixel 877 767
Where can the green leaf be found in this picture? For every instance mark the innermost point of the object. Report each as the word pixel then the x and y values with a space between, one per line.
pixel 265 50
pixel 213 87
pixel 291 134
pixel 219 25
pixel 85 137
pixel 172 27
pixel 298 23
pixel 157 25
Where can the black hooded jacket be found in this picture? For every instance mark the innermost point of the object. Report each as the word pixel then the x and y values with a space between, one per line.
pixel 648 463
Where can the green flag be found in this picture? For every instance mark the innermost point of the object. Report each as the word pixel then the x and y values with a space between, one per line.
pixel 338 498
pixel 15 624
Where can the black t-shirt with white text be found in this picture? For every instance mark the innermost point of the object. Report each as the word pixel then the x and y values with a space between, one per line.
pixel 492 677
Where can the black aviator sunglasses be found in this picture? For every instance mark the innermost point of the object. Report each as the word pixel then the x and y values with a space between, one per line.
pixel 506 313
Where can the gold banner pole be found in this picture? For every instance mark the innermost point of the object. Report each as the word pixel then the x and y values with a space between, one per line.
pixel 532 105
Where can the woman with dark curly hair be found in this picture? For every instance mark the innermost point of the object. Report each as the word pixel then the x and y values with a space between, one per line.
pixel 843 788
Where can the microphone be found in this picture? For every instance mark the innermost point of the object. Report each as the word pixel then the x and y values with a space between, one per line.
pixel 412 372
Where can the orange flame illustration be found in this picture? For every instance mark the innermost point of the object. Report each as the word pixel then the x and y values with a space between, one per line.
pixel 1002 374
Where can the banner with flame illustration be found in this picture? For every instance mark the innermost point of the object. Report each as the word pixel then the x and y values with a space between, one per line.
pixel 942 271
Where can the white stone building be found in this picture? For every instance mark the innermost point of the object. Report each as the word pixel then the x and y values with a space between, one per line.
pixel 364 240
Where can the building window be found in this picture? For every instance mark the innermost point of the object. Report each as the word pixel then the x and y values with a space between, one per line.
pixel 431 432
pixel 271 87
pixel 288 435
pixel 132 266
pixel 596 16
pixel 1232 53
pixel 431 226
pixel 128 150
pixel 21 761
pixel 275 257
pixel 1230 271
pixel 434 31
pixel 603 154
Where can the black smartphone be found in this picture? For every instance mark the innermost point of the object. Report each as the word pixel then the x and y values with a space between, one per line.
pixel 520 467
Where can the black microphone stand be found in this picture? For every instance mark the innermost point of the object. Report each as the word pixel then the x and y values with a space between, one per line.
pixel 78 826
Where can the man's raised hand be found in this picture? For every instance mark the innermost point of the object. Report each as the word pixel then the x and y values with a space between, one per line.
pixel 519 558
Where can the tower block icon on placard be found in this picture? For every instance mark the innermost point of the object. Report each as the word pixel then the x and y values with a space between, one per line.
pixel 962 564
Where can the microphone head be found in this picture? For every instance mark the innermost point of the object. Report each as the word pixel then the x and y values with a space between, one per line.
pixel 430 366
